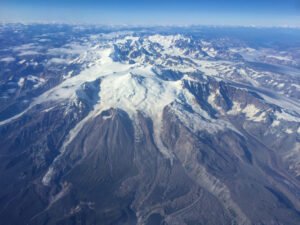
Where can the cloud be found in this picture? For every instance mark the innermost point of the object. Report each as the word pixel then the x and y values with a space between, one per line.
pixel 27 49
pixel 29 52
pixel 58 61
pixel 7 59
pixel 69 50
pixel 44 40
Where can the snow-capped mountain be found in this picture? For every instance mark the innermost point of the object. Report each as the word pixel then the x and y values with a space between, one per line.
pixel 143 127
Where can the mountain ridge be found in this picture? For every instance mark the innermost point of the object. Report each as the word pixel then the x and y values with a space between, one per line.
pixel 146 125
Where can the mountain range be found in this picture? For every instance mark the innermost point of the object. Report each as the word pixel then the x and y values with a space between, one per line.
pixel 173 126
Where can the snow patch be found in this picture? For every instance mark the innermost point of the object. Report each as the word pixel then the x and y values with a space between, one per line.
pixel 275 123
pixel 286 117
pixel 21 82
pixel 289 131
pixel 250 110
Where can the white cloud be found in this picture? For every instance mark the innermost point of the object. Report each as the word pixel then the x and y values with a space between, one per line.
pixel 58 61
pixel 8 59
pixel 29 52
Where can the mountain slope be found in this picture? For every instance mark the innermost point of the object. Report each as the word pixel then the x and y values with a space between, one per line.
pixel 152 129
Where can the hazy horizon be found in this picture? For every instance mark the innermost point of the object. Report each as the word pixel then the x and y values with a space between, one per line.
pixel 189 12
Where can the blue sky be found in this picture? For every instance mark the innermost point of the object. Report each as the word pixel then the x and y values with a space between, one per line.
pixel 150 12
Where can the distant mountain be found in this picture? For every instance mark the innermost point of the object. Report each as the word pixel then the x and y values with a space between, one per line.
pixel 147 126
